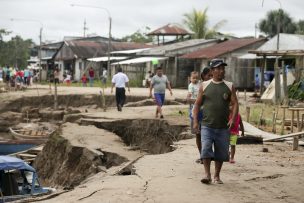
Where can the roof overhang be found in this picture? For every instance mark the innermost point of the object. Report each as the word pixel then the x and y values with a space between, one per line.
pixel 278 52
pixel 139 60
pixel 105 58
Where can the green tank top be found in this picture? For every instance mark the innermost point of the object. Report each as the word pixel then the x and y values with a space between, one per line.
pixel 216 100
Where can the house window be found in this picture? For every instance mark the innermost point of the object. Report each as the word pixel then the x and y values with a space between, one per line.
pixel 80 65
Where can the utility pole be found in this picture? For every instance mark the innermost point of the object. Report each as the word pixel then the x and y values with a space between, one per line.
pixel 84 28
pixel 277 94
pixel 277 66
pixel 255 30
pixel 40 68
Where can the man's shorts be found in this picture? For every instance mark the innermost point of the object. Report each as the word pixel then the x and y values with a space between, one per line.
pixel 217 139
pixel 233 139
pixel 159 98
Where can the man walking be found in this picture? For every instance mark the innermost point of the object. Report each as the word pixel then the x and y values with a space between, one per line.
pixel 120 81
pixel 215 95
pixel 159 82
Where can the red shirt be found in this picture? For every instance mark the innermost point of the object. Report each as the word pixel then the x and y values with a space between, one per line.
pixel 84 79
pixel 91 73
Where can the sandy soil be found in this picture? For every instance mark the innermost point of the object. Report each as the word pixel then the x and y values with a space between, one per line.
pixel 274 176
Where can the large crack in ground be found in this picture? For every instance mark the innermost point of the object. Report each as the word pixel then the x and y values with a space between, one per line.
pixel 63 164
pixel 150 135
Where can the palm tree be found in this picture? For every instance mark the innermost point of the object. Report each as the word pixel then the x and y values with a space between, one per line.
pixel 269 24
pixel 197 22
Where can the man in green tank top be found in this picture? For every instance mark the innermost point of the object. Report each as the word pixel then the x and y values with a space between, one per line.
pixel 215 95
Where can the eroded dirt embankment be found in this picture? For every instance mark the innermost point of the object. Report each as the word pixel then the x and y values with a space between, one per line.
pixel 64 101
pixel 77 152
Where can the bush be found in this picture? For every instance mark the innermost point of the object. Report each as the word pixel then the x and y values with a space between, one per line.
pixel 296 91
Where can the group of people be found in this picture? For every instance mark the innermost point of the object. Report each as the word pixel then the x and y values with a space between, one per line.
pixel 16 78
pixel 103 77
pixel 159 82
pixel 214 118
pixel 213 112
pixel 84 78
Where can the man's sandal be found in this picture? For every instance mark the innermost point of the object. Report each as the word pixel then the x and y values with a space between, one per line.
pixel 206 181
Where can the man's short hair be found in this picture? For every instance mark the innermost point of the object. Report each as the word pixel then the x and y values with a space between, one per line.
pixel 119 69
pixel 159 68
pixel 214 63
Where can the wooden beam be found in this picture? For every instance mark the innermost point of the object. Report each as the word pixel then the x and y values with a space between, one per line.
pixel 300 134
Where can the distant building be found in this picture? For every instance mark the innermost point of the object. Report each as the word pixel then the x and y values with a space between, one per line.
pixel 239 71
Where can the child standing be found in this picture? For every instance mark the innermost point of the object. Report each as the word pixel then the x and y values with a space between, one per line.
pixel 84 80
pixel 234 133
pixel 193 89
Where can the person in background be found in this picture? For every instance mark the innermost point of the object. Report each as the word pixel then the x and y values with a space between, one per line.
pixel 159 83
pixel 1 74
pixel 234 133
pixel 26 75
pixel 91 76
pixel 68 79
pixel 56 76
pixel 120 81
pixel 84 80
pixel 104 77
pixel 193 88
pixel 206 74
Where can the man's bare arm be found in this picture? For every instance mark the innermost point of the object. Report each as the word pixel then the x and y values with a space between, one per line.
pixel 235 107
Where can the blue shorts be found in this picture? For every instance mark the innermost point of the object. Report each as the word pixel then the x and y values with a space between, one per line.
pixel 217 139
pixel 159 98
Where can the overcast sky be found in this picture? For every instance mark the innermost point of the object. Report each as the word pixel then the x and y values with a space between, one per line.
pixel 60 19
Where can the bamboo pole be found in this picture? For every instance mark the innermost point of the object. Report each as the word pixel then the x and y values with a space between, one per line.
pixel 247 113
pixel 274 121
pixel 261 117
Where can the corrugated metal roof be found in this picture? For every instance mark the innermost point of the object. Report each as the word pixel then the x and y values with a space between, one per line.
pixel 163 50
pixel 287 42
pixel 89 49
pixel 221 48
pixel 170 29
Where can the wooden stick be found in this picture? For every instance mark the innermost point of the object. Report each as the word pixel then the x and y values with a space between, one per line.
pixel 247 113
pixel 300 134
pixel 274 122
pixel 292 117
pixel 283 122
pixel 295 143
pixel 302 122
pixel 298 120
pixel 261 117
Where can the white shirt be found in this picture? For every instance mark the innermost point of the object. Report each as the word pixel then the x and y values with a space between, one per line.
pixel 120 80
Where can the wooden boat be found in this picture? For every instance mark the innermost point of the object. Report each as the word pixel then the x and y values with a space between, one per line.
pixel 28 134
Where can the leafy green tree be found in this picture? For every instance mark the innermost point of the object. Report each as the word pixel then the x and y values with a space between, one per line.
pixel 300 27
pixel 197 22
pixel 15 52
pixel 138 36
pixel 269 24
pixel 2 33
